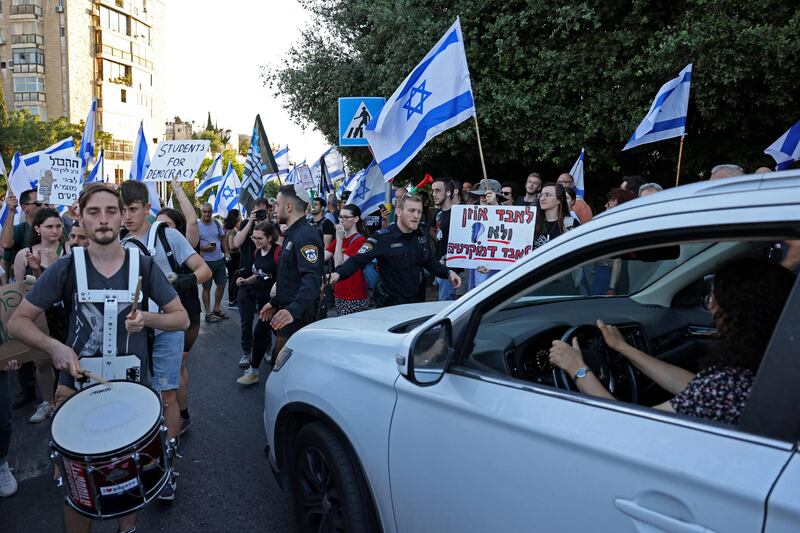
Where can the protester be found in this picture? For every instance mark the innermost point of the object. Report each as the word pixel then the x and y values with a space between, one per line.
pixel 402 251
pixel 212 249
pixel 552 217
pixel 299 270
pixel 352 294
pixel 77 236
pixel 632 183
pixel 332 213
pixel 246 297
pixel 192 233
pixel 107 265
pixel 69 217
pixel 443 193
pixel 321 222
pixel 533 185
pixel 8 485
pixel 509 190
pixel 261 279
pixel 45 249
pixel 571 198
pixel 581 208
pixel 763 170
pixel 745 304
pixel 618 196
pixel 232 258
pixel 466 188
pixel 649 188
pixel 191 302
pixel 488 192
pixel 725 171
pixel 456 199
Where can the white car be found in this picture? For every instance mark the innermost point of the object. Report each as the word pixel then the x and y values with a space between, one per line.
pixel 447 417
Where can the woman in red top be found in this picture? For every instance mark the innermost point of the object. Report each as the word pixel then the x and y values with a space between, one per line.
pixel 351 294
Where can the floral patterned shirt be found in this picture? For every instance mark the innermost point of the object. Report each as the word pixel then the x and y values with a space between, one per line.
pixel 718 394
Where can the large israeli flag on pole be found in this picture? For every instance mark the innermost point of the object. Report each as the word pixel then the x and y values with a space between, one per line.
pixel 227 197
pixel 436 96
pixel 97 174
pixel 139 166
pixel 667 116
pixel 577 175
pixel 86 150
pixel 212 178
pixel 370 189
pixel 786 150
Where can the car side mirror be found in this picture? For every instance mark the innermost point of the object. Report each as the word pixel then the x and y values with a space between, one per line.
pixel 430 353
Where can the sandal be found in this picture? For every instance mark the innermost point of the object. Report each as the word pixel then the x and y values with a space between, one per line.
pixel 220 314
pixel 212 318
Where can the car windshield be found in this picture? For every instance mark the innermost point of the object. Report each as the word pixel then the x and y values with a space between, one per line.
pixel 619 275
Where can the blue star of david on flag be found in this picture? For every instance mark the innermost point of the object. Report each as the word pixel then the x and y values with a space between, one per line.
pixel 361 191
pixel 423 95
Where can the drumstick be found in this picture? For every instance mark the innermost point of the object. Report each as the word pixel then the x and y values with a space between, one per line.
pixel 89 375
pixel 136 294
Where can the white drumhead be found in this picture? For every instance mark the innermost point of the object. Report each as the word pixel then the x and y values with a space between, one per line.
pixel 104 418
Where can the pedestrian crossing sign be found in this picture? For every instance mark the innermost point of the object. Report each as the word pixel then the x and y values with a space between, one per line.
pixel 354 115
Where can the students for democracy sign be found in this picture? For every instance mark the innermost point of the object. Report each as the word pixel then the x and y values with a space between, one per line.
pixel 177 160
pixel 493 236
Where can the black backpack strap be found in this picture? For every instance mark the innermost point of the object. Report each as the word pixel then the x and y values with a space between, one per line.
pixel 161 234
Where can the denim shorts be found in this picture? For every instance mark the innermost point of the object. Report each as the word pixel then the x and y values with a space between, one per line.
pixel 167 352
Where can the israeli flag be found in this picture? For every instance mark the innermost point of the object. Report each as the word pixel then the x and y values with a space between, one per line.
pixel 212 178
pixel 667 116
pixel 19 180
pixel 436 96
pixel 370 190
pixel 139 166
pixel 97 174
pixel 36 163
pixel 352 182
pixel 282 159
pixel 786 150
pixel 227 197
pixel 86 150
pixel 334 163
pixel 577 175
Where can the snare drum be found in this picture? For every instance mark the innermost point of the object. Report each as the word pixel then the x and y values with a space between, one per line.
pixel 109 441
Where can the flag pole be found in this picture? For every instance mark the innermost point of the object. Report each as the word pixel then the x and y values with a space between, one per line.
pixel 480 148
pixel 680 156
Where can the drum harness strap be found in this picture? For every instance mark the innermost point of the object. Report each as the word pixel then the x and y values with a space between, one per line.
pixel 110 299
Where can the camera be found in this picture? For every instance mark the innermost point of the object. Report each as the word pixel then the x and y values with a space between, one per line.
pixel 261 214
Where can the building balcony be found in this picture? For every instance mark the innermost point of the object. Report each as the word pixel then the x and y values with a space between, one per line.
pixel 128 8
pixel 28 68
pixel 29 97
pixel 25 12
pixel 28 38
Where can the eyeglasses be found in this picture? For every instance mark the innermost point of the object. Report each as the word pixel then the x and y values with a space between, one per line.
pixel 345 217
pixel 37 204
pixel 546 195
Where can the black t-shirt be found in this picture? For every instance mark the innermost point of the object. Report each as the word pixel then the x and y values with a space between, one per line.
pixel 324 226
pixel 266 269
pixel 372 222
pixel 553 230
pixel 247 249
pixel 442 236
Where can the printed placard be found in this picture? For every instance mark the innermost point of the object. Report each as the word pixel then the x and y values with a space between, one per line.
pixel 493 236
pixel 60 180
pixel 177 160
pixel 10 297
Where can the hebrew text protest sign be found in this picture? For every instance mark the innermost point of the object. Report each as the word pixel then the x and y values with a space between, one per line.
pixel 493 236
pixel 60 180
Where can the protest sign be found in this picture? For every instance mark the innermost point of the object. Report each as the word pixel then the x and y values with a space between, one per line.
pixel 60 180
pixel 10 298
pixel 177 160
pixel 493 236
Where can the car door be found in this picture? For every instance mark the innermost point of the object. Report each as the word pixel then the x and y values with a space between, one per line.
pixel 477 451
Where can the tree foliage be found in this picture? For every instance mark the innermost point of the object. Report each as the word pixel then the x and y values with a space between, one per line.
pixel 210 135
pixel 551 78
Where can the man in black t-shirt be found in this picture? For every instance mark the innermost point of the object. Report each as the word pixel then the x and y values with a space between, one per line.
pixel 320 222
pixel 442 190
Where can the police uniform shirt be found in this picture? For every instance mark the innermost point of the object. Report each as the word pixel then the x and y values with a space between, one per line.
pixel 300 270
pixel 401 257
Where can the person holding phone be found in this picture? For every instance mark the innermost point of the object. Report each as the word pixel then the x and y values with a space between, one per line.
pixel 212 249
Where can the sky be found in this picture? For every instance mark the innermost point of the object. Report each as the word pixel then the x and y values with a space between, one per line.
pixel 214 50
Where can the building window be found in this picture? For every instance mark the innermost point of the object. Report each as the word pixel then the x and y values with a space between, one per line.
pixel 28 56
pixel 123 95
pixel 62 31
pixel 114 20
pixel 119 176
pixel 117 73
pixel 120 150
pixel 38 110
pixel 23 84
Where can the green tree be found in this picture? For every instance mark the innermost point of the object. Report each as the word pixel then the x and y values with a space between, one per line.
pixel 244 144
pixel 550 79
pixel 3 109
pixel 209 124
pixel 210 135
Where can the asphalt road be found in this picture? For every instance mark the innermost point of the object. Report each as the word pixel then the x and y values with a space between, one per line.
pixel 225 483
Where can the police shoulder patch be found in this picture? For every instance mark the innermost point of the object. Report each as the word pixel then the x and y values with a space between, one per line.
pixel 310 253
pixel 366 247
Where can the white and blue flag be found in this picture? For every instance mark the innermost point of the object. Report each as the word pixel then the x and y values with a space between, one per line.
pixel 370 189
pixel 212 178
pixel 436 96
pixel 352 181
pixel 139 166
pixel 86 150
pixel 18 180
pixel 97 173
pixel 786 150
pixel 227 196
pixel 577 175
pixel 282 159
pixel 667 116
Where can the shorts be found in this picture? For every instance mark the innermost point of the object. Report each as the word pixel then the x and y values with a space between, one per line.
pixel 167 354
pixel 191 302
pixel 219 273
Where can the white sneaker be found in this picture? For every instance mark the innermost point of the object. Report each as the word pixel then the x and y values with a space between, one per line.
pixel 249 377
pixel 8 485
pixel 43 410
pixel 244 362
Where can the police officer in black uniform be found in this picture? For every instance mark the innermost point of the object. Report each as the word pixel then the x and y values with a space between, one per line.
pixel 300 268
pixel 402 251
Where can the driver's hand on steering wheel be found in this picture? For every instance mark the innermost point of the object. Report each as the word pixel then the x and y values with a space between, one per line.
pixel 566 357
pixel 611 336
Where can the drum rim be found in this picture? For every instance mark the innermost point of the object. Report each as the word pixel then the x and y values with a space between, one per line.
pixel 116 452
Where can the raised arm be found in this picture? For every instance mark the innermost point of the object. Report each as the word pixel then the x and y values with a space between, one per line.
pixel 7 235
pixel 243 233
pixel 188 210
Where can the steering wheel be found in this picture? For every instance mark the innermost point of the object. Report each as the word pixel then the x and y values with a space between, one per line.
pixel 613 370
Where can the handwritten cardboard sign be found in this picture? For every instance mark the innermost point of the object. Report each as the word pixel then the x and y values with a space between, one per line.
pixel 177 160
pixel 494 236
pixel 60 180
pixel 10 297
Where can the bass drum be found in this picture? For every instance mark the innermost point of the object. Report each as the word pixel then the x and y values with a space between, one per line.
pixel 109 441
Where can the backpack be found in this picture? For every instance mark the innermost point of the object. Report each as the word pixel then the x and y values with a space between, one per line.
pixel 370 273
pixel 149 250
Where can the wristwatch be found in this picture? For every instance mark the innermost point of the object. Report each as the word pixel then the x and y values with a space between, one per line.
pixel 581 372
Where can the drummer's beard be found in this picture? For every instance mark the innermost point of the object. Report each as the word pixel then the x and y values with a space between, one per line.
pixel 104 235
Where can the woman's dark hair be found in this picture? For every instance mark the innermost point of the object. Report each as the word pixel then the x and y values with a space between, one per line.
pixel 176 217
pixel 268 229
pixel 749 296
pixel 563 209
pixel 621 195
pixel 231 219
pixel 356 211
pixel 42 214
pixel 571 193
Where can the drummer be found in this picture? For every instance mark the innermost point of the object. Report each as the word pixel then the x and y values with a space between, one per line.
pixel 106 268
